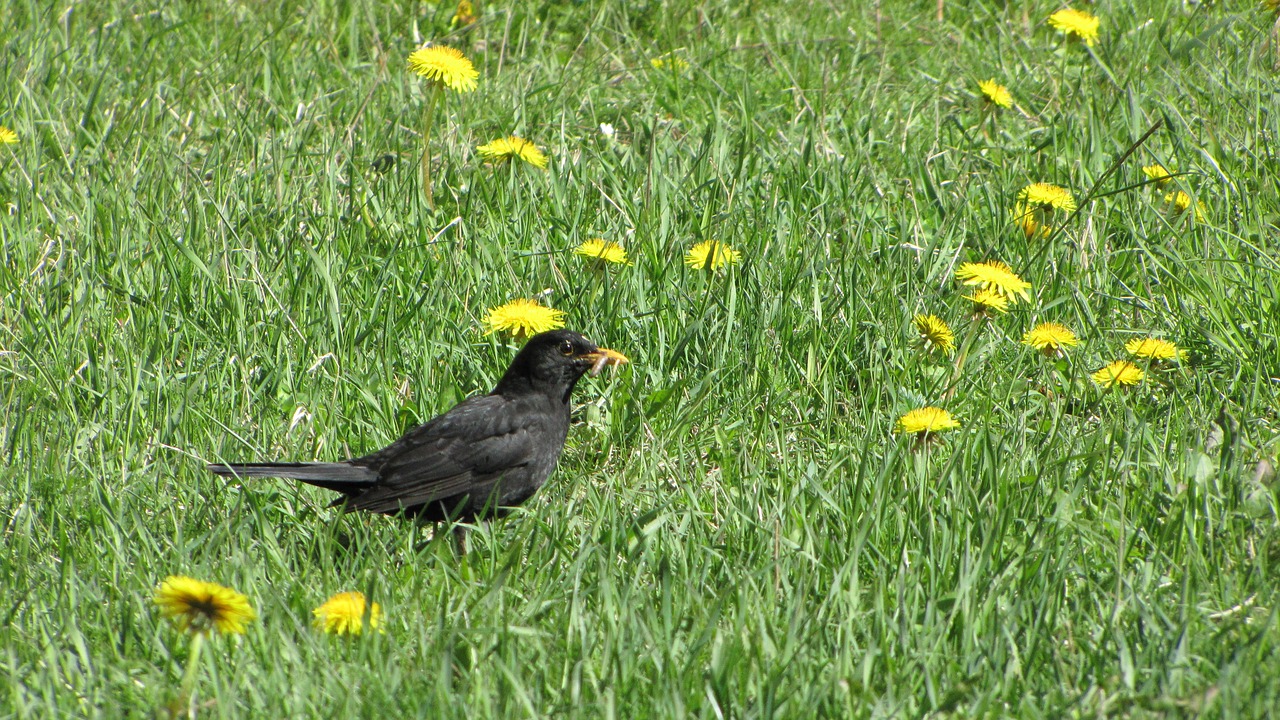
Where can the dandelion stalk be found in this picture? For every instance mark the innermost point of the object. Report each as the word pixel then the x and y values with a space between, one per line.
pixel 443 68
pixel 432 98
pixel 186 691
pixel 963 355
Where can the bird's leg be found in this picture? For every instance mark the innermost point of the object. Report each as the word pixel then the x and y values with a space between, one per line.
pixel 437 529
pixel 460 539
pixel 418 543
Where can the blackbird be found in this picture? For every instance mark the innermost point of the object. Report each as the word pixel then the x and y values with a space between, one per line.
pixel 486 455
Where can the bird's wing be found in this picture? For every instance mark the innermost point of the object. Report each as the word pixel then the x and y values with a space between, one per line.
pixel 475 442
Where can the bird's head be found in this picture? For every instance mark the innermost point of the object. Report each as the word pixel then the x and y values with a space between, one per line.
pixel 554 361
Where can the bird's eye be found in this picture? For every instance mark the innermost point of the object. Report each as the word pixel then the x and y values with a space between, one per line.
pixel 566 348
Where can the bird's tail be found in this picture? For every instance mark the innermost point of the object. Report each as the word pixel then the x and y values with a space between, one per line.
pixel 343 477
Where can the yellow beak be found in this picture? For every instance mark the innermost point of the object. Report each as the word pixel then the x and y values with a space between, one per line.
pixel 603 357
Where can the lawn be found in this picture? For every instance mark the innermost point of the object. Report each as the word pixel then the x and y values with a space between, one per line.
pixel 216 248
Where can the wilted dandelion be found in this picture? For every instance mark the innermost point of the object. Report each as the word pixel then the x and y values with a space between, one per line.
pixel 996 277
pixel 1050 338
pixel 1154 349
pixel 444 68
pixel 996 93
pixel 464 15
pixel 1029 219
pixel 343 614
pixel 1118 373
pixel 7 136
pixel 523 319
pixel 924 421
pixel 1180 202
pixel 935 333
pixel 1158 173
pixel 198 606
pixel 1076 22
pixel 506 148
pixel 605 252
pixel 711 255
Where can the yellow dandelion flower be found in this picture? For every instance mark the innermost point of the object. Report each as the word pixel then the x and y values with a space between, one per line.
pixel 996 93
pixel 1050 338
pixel 1180 202
pixel 1047 196
pixel 201 606
pixel 7 136
pixel 445 66
pixel 1158 173
pixel 987 300
pixel 1154 349
pixel 504 149
pixel 995 276
pixel 465 14
pixel 712 255
pixel 343 614
pixel 935 333
pixel 1076 22
pixel 600 249
pixel 1032 220
pixel 1120 372
pixel 925 420
pixel 523 319
pixel 670 61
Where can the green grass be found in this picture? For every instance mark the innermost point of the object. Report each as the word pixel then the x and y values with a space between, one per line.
pixel 200 264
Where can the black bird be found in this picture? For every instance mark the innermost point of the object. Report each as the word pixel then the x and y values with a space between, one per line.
pixel 486 455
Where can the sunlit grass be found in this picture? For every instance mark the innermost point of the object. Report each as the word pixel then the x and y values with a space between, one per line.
pixel 215 248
